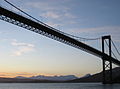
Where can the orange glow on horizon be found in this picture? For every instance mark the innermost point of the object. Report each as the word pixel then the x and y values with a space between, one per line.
pixel 23 74
pixel 12 75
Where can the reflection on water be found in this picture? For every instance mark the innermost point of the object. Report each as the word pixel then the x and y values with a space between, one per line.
pixel 58 86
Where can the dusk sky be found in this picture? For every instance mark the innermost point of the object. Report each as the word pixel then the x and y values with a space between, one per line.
pixel 25 53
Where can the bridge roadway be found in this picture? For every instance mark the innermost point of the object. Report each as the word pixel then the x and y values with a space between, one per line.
pixel 41 28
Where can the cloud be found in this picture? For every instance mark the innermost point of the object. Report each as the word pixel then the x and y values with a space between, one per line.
pixel 54 13
pixel 15 43
pixel 58 15
pixel 52 9
pixel 55 25
pixel 24 74
pixel 47 5
pixel 40 5
pixel 51 14
pixel 2 75
pixel 22 48
pixel 11 74
pixel 68 15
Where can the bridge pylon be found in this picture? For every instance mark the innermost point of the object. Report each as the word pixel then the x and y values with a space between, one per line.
pixel 107 63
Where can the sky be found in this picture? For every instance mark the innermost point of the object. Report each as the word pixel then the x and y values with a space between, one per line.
pixel 25 53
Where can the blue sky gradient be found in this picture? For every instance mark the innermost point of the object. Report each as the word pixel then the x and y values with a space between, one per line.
pixel 27 52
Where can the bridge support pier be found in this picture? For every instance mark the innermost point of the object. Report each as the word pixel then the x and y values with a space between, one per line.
pixel 107 64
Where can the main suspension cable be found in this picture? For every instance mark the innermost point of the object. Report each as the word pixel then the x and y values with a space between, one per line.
pixel 85 39
pixel 22 11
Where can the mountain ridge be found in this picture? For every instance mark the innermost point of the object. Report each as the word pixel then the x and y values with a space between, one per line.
pixel 53 78
pixel 85 79
pixel 98 77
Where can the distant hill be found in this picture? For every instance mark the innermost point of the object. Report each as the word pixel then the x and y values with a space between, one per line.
pixel 98 77
pixel 38 79
pixel 87 75
pixel 62 79
pixel 15 80
pixel 53 78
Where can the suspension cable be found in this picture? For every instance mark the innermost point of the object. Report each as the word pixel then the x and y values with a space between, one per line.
pixel 115 47
pixel 86 39
pixel 23 11
pixel 111 50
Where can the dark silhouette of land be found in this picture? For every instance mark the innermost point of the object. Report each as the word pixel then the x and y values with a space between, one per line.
pixel 98 77
pixel 15 80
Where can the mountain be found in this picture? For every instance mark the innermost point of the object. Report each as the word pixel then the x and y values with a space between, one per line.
pixel 53 78
pixel 98 77
pixel 38 79
pixel 63 79
pixel 15 80
pixel 21 77
pixel 87 75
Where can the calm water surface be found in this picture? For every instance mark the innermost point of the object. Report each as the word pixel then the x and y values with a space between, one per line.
pixel 57 86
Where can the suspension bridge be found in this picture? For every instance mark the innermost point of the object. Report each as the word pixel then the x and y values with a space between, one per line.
pixel 39 27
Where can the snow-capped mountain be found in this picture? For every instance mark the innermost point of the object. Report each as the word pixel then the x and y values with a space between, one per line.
pixel 54 78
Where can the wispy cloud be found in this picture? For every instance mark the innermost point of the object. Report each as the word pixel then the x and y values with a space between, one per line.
pixel 5 74
pixel 47 5
pixel 55 25
pixel 51 14
pixel 43 6
pixel 69 15
pixel 58 15
pixel 22 48
pixel 51 9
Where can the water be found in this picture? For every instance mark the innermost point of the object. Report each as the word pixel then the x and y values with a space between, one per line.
pixel 57 86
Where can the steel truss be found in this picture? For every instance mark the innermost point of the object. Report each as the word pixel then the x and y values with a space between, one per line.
pixel 28 27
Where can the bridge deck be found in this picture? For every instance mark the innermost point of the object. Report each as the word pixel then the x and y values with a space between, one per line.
pixel 50 32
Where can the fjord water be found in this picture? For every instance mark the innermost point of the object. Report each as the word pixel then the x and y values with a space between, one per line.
pixel 57 86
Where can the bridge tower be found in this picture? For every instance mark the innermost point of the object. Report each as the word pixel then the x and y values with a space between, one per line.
pixel 107 64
